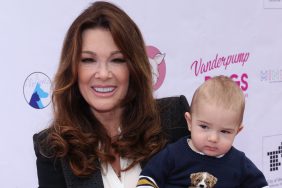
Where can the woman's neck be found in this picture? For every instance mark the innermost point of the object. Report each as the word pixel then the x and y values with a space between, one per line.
pixel 111 121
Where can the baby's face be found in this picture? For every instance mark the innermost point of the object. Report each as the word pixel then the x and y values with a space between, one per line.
pixel 213 129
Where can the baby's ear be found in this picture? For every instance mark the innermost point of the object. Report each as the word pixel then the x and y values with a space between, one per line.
pixel 188 120
pixel 240 128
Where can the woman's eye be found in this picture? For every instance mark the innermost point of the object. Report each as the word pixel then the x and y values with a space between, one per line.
pixel 119 60
pixel 87 60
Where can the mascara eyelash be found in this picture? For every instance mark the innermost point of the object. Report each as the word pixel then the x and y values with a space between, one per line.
pixel 119 60
pixel 87 60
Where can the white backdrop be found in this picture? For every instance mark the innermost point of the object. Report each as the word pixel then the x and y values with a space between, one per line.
pixel 242 39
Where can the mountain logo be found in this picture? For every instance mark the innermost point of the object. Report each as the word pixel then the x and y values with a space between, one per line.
pixel 36 90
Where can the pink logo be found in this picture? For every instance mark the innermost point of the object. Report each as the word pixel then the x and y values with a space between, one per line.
pixel 200 67
pixel 156 59
pixel 241 80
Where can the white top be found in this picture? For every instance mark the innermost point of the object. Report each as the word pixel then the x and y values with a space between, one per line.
pixel 128 178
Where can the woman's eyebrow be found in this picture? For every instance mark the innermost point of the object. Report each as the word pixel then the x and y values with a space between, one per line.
pixel 116 52
pixel 88 52
pixel 94 53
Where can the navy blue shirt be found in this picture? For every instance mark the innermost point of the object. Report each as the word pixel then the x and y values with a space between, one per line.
pixel 172 167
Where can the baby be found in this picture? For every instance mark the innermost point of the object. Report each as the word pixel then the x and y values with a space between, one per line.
pixel 207 159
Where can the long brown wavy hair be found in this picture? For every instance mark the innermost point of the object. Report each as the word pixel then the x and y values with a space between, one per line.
pixel 75 134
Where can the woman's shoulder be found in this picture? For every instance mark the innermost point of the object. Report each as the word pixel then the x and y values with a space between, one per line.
pixel 38 139
pixel 49 169
pixel 172 110
pixel 42 150
pixel 40 135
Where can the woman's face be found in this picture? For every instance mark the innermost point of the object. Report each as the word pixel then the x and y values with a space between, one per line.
pixel 103 75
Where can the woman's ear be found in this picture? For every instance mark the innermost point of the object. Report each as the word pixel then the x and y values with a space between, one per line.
pixel 188 120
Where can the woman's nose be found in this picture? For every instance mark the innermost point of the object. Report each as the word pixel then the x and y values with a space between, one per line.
pixel 103 71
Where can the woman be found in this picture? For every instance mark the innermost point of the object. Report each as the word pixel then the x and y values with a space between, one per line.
pixel 106 121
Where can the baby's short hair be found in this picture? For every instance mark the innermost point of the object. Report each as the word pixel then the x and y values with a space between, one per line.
pixel 221 91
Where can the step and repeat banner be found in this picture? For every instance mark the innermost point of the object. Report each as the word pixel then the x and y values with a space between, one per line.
pixel 187 42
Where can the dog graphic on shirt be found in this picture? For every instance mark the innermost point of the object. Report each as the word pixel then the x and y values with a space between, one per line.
pixel 202 179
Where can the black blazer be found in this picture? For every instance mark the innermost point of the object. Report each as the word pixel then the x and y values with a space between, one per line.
pixel 57 174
